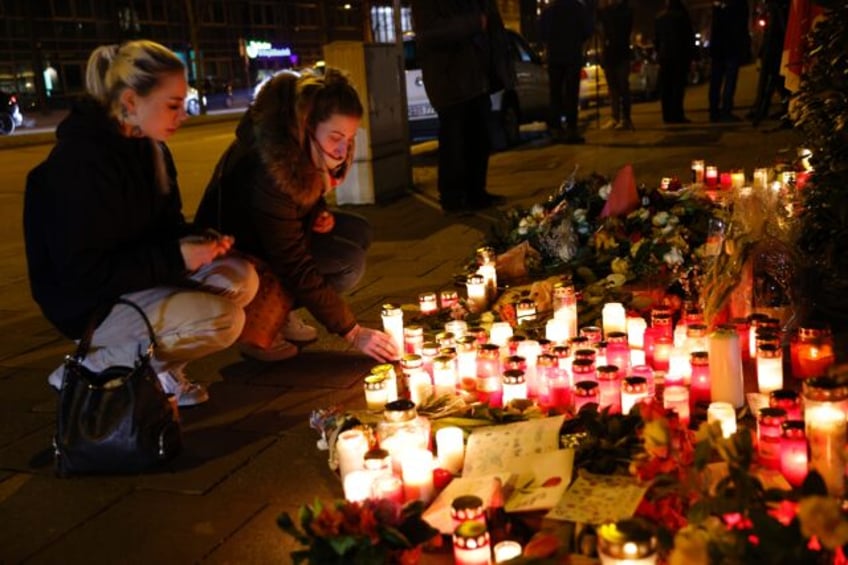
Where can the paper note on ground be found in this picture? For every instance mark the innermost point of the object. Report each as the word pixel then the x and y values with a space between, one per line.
pixel 490 448
pixel 540 480
pixel 594 499
pixel 438 514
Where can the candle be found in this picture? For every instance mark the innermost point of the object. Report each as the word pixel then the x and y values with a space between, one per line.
pixel 787 400
pixel 636 326
pixel 448 299
pixel 646 373
pixel 769 432
pixel 376 392
pixel 444 375
pixel 393 325
pixel 413 339
pixel 489 374
pixel 450 449
pixel 466 357
pixel 525 311
pixel 420 387
pixel 467 508
pixel 633 390
pixel 506 550
pixel 459 328
pixel 471 544
pixel 614 318
pixel 565 306
pixel 477 294
pixel 725 414
pixel 490 279
pixel 823 391
pixel 737 178
pixel 632 541
pixel 711 176
pixel 609 388
pixel 826 433
pixel 769 368
pixel 811 351
pixel 618 352
pixel 725 180
pixel 583 369
pixel 514 386
pixel 761 178
pixel 555 380
pixel 679 366
pixel 698 171
pixel 351 447
pixel 585 392
pixel 699 382
pixel 378 461
pixel 417 471
pixel 500 333
pixel 726 368
pixel 637 357
pixel 387 371
pixel 530 350
pixel 556 331
pixel 677 398
pixel 388 487
pixel 662 349
pixel 358 485
pixel 428 303
pixel 793 452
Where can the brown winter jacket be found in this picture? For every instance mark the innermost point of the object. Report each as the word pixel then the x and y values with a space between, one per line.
pixel 266 192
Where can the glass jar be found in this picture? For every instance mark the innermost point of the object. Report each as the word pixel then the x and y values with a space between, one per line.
pixel 609 388
pixel 489 374
pixel 696 337
pixel 593 333
pixel 445 339
pixel 585 392
pixel 676 398
pixel 769 432
pixel 401 429
pixel 699 382
pixel 811 351
pixel 525 311
pixel 467 508
pixel 788 400
pixel 466 357
pixel 513 342
pixel 429 351
pixel 514 386
pixel 413 339
pixel 387 370
pixel 661 319
pixel 444 375
pixel 479 333
pixel 547 376
pixel 633 390
pixel 448 299
pixel 632 541
pixel 583 370
pixel 428 303
pixel 793 452
pixel 471 545
pixel 618 352
pixel 823 391
pixel 376 392
pixel 743 328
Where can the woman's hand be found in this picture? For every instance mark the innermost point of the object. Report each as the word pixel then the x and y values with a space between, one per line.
pixel 324 222
pixel 198 251
pixel 373 343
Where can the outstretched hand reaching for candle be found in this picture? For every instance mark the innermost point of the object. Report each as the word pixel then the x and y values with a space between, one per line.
pixel 373 343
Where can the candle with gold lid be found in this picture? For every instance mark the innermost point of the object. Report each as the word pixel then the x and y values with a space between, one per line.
pixel 393 325
pixel 477 293
pixel 631 541
pixel 793 452
pixel 769 368
pixel 428 303
pixel 633 390
pixel 826 432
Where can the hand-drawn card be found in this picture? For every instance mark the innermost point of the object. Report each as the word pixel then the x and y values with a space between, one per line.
pixel 757 401
pixel 540 480
pixel 595 499
pixel 438 513
pixel 489 448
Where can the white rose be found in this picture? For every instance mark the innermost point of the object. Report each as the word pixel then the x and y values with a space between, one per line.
pixel 579 216
pixel 537 211
pixel 673 257
pixel 605 190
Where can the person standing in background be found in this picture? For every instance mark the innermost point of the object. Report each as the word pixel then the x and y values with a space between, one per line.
pixel 463 54
pixel 616 26
pixel 730 47
pixel 675 43
pixel 564 27
pixel 770 79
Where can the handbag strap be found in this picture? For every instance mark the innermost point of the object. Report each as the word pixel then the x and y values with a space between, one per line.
pixel 99 315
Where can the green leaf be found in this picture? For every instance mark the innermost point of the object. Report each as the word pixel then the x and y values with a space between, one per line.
pixel 341 544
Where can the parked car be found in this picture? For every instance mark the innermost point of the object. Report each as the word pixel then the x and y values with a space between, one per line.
pixel 644 72
pixel 10 113
pixel 526 103
pixel 593 81
pixel 192 102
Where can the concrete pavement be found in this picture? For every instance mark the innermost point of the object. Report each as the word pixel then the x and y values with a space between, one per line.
pixel 249 454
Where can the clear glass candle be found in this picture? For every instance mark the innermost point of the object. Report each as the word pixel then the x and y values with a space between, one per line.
pixel 471 544
pixel 631 541
pixel 609 388
pixel 393 325
pixel 428 303
pixel 400 429
pixel 769 432
pixel 445 339
pixel 475 287
pixel 585 392
pixel 677 398
pixel 788 400
pixel 514 386
pixel 417 473
pixel 725 414
pixel 444 375
pixel 490 279
pixel 793 452
pixel 823 391
pixel 413 339
pixel 530 350
pixel 769 368
pixel 633 390
pixel 466 356
pixel 358 485
pixel 525 311
pixel 826 430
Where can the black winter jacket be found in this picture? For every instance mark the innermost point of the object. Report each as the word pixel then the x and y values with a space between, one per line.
pixel 261 194
pixel 96 225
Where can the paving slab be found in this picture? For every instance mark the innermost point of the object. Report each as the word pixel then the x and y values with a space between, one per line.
pixel 294 407
pixel 316 368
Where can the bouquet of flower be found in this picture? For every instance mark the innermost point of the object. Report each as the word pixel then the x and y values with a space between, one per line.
pixel 352 533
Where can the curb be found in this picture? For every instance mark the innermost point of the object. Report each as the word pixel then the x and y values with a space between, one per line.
pixel 49 137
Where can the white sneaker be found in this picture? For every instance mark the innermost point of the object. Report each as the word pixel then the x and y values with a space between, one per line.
pixel 611 124
pixel 280 350
pixel 56 377
pixel 187 392
pixel 297 330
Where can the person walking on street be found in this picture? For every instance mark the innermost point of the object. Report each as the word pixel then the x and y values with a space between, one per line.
pixel 462 50
pixel 616 25
pixel 675 43
pixel 564 27
pixel 730 48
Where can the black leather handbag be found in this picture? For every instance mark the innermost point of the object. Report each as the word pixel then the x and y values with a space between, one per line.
pixel 118 420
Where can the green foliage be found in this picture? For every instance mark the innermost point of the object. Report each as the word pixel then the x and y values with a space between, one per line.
pixel 608 441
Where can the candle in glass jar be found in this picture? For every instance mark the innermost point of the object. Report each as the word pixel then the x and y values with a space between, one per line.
pixel 761 178
pixel 530 350
pixel 726 367
pixel 514 386
pixel 556 331
pixel 466 357
pixel 428 303
pixel 662 348
pixel 737 178
pixel 631 541
pixel 793 452
pixel 490 279
pixel 676 398
pixel 417 472
pixel 413 339
pixel 633 390
pixel 698 171
pixel 699 382
pixel 444 375
pixel 500 333
pixel 376 392
pixel 358 485
pixel 647 373
pixel 725 180
pixel 725 414
pixel 507 550
pixel 450 449
pixel 387 371
pixel 811 351
pixel 636 326
pixel 388 487
pixel 351 446
pixel 585 392
pixel 614 317
pixel 826 429
pixel 477 294
pixel 459 328
pixel 609 388
pixel 769 432
pixel 525 311
pixel 393 325
pixel 448 299
pixel 769 368
pixel 471 544
pixel 787 400
pixel 467 508
pixel 711 176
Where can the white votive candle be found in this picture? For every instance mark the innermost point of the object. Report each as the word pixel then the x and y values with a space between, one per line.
pixel 417 472
pixel 725 414
pixel 393 325
pixel 475 287
pixel 358 485
pixel 457 327
pixel 636 326
pixel 490 279
pixel 556 331
pixel 351 447
pixel 826 430
pixel 769 368
pixel 614 317
pixel 726 367
pixel 506 550
pixel 450 449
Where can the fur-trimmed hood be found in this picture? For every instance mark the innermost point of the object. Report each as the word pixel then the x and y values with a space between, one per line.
pixel 272 127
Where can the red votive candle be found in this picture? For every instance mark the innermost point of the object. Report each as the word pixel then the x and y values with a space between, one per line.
pixel 793 452
pixel 769 434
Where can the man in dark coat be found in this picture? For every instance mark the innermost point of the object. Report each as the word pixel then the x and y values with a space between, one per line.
pixel 770 79
pixel 462 51
pixel 617 24
pixel 564 28
pixel 675 43
pixel 730 47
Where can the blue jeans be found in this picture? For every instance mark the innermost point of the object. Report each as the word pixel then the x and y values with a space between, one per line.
pixel 340 254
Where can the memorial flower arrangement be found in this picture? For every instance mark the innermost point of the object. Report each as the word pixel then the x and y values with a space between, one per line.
pixel 353 533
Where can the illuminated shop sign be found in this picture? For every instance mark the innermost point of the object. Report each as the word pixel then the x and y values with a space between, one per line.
pixel 265 50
